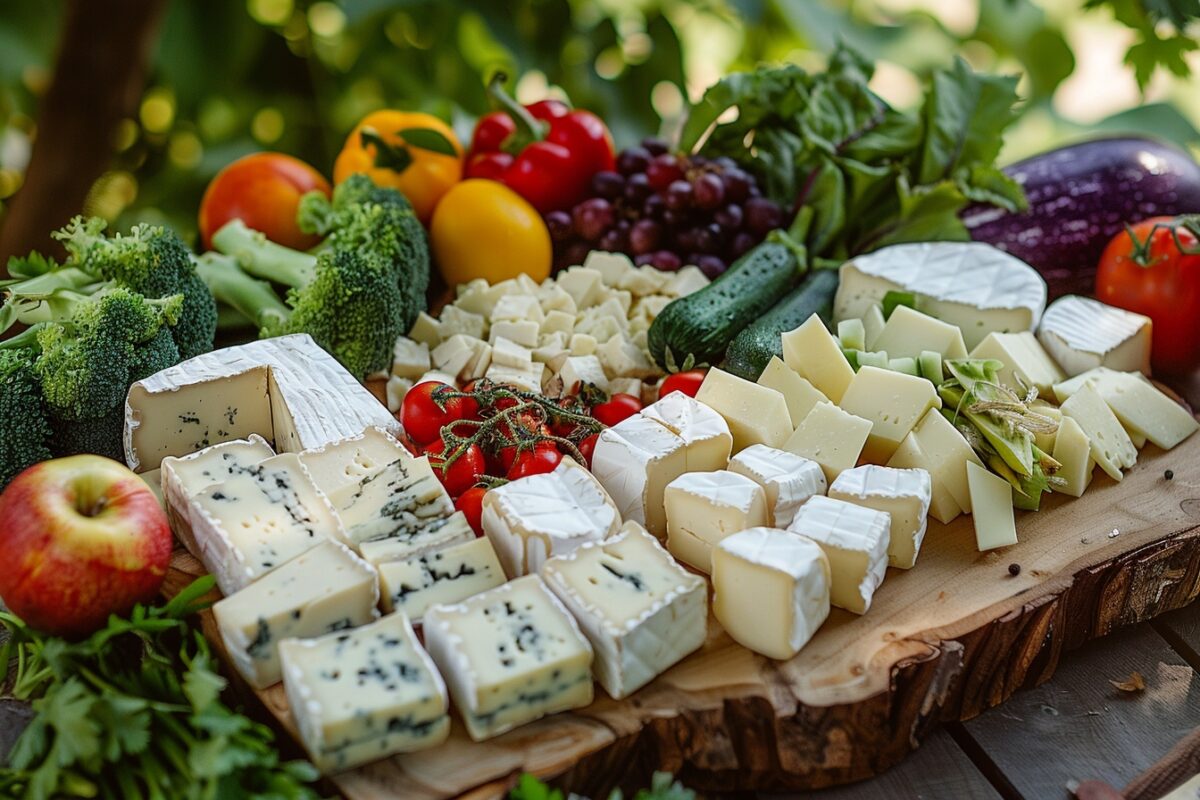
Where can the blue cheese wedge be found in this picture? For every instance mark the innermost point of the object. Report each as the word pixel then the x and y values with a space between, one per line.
pixel 904 494
pixel 413 585
pixel 257 520
pixel 640 610
pixel 510 656
pixel 364 694
pixel 349 460
pixel 855 539
pixel 324 590
pixel 186 476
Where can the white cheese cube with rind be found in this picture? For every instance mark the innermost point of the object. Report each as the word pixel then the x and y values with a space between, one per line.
pixel 1081 334
pixel 640 610
pixel 755 414
pixel 903 493
pixel 183 477
pixel 324 590
pixel 950 452
pixel 1111 446
pixel 993 516
pixel 908 333
pixel 364 694
pixel 634 461
pixel 1026 364
pixel 893 402
pixel 768 568
pixel 789 480
pixel 349 460
pixel 855 539
pixel 817 357
pixel 707 439
pixel 533 518
pixel 800 395
pixel 510 655
pixel 831 437
pixel 1073 450
pixel 411 586
pixel 705 507
pixel 410 359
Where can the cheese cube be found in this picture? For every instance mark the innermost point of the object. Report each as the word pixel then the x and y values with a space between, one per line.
pixel 411 586
pixel 686 280
pixel 909 455
pixel 1026 364
pixel 582 345
pixel 993 516
pixel 365 694
pixel 647 309
pixel 586 286
pixel 462 356
pixel 893 402
pixel 1144 411
pixel 579 370
pixel 798 393
pixel 184 477
pixel 257 520
pixel 817 357
pixel 530 377
pixel 611 266
pixel 437 376
pixel 903 493
pixel 557 322
pixel 634 461
pixel 629 386
pixel 601 324
pixel 510 655
pixel 518 307
pixel 855 539
pixel 426 330
pixel 788 479
pixel 1081 334
pixel 755 414
pixel 1111 447
pixel 706 437
pixel 550 514
pixel 523 332
pixel 507 353
pixel 949 453
pixel 1073 450
pixel 324 590
pixel 873 323
pixel 705 507
pixel 831 437
pixel 766 568
pixel 410 359
pixel 457 322
pixel 475 296
pixel 908 333
pixel 348 460
pixel 396 390
pixel 640 610
pixel 643 281
pixel 621 358
pixel 555 300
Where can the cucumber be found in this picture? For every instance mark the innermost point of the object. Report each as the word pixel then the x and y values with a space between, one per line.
pixel 696 330
pixel 905 364
pixel 877 358
pixel 751 350
pixel 931 366
pixel 852 334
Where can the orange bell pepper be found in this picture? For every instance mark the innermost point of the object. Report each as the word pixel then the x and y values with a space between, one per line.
pixel 412 152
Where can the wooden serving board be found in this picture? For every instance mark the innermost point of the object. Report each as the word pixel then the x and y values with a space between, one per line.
pixel 943 641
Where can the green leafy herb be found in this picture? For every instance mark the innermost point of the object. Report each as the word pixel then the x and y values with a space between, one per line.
pixel 894 298
pixel 135 711
pixel 1163 38
pixel 663 786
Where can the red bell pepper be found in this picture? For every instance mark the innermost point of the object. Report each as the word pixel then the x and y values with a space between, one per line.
pixel 545 151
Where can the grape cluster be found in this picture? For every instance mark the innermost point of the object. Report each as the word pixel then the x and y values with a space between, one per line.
pixel 667 210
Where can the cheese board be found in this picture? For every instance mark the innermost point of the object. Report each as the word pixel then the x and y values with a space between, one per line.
pixel 944 641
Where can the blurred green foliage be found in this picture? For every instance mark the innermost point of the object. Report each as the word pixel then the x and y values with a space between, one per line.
pixel 233 76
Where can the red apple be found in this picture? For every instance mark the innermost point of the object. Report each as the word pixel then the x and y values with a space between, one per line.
pixel 82 537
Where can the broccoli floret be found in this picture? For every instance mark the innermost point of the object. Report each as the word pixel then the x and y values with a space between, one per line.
pixel 100 435
pixel 24 429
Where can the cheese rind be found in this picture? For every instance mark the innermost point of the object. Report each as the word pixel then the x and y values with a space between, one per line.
pixel 1081 334
pixel 904 494
pixel 855 539
pixel 767 568
pixel 326 589
pixel 411 586
pixel 755 414
pixel 1111 446
pixel 349 460
pixel 707 439
pixel 364 694
pixel 993 516
pixel 788 479
pixel 816 356
pixel 946 456
pixel 831 437
pixel 634 461
pixel 893 402
pixel 705 507
pixel 510 655
pixel 640 610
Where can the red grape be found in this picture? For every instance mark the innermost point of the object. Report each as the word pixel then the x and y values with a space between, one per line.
pixel 633 160
pixel 591 217
pixel 737 185
pixel 608 185
pixel 644 236
pixel 729 217
pixel 762 215
pixel 663 169
pixel 654 146
pixel 709 191
pixel 678 195
pixel 666 261
pixel 710 265
pixel 559 225
pixel 637 188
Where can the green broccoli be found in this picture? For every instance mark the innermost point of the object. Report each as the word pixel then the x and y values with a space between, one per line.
pixel 24 429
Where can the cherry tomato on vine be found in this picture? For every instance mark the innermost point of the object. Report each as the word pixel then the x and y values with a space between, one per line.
pixel 464 472
pixel 541 459
pixel 617 408
pixel 587 447
pixel 686 382
pixel 470 503
pixel 422 417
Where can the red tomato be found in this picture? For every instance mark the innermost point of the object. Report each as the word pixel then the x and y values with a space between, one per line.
pixel 470 503
pixel 423 418
pixel 463 473
pixel 587 447
pixel 686 382
pixel 542 458
pixel 1148 273
pixel 263 190
pixel 618 407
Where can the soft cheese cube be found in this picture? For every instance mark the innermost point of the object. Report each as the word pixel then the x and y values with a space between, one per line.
pixel 800 395
pixel 788 479
pixel 581 344
pixel 948 453
pixel 1026 364
pixel 640 610
pixel 755 414
pixel 630 386
pixel 364 694
pixel 461 356
pixel 903 493
pixel 324 590
pixel 529 377
pixel 1073 450
pixel 510 655
pixel 908 333
pixel 686 280
pixel 557 321
pixel 705 507
pixel 1111 445
pixel 459 571
pixel 893 402
pixel 410 359
pixel 855 539
pixel 831 437
pixel 817 357
pixel 555 300
pixel 992 501
pixel 517 307
pixel 474 296
pixel 257 520
pixel 455 321
pixel 767 568
pixel 396 390
pixel 579 370
pixel 621 358
pixel 634 461
pixel 1081 334
pixel 523 332
pixel 349 460
pixel 426 330
pixel 611 266
pixel 550 514
pixel 507 353
pixel 183 477
pixel 586 286
pixel 706 436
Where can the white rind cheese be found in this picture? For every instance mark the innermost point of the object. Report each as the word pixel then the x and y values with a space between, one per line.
pixel 1081 334
pixel 349 460
pixel 705 507
pixel 364 694
pixel 767 568
pixel 640 610
pixel 186 476
pixel 324 590
pixel 510 656
pixel 855 539
pixel 707 440
pixel 788 479
pixel 451 575
pixel 904 494
pixel 287 390
pixel 634 461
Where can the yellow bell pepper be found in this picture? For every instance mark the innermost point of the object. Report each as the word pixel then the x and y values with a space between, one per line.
pixel 483 229
pixel 412 152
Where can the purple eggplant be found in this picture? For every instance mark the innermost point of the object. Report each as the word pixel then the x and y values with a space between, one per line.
pixel 1080 196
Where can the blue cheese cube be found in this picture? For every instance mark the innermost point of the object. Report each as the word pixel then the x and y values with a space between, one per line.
pixel 460 571
pixel 349 460
pixel 185 477
pixel 364 694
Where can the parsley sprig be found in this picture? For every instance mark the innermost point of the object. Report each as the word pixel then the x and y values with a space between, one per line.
pixel 662 787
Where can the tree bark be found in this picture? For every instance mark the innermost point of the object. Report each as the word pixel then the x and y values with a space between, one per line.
pixel 99 72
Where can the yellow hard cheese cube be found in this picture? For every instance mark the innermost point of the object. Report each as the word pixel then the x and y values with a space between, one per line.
pixel 799 394
pixel 1026 364
pixel 831 437
pixel 812 351
pixel 893 402
pixel 991 499
pixel 908 333
pixel 756 414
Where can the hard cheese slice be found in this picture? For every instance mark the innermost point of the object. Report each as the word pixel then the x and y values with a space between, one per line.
pixel 413 585
pixel 510 655
pixel 815 355
pixel 705 507
pixel 1111 445
pixel 908 333
pixel 1143 410
pixel 904 494
pixel 755 414
pixel 349 460
pixel 831 437
pixel 766 568
pixel 364 694
pixel 893 402
pixel 1073 450
pixel 788 479
pixel 991 498
pixel 640 610
pixel 800 395
pixel 855 539
pixel 1026 364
